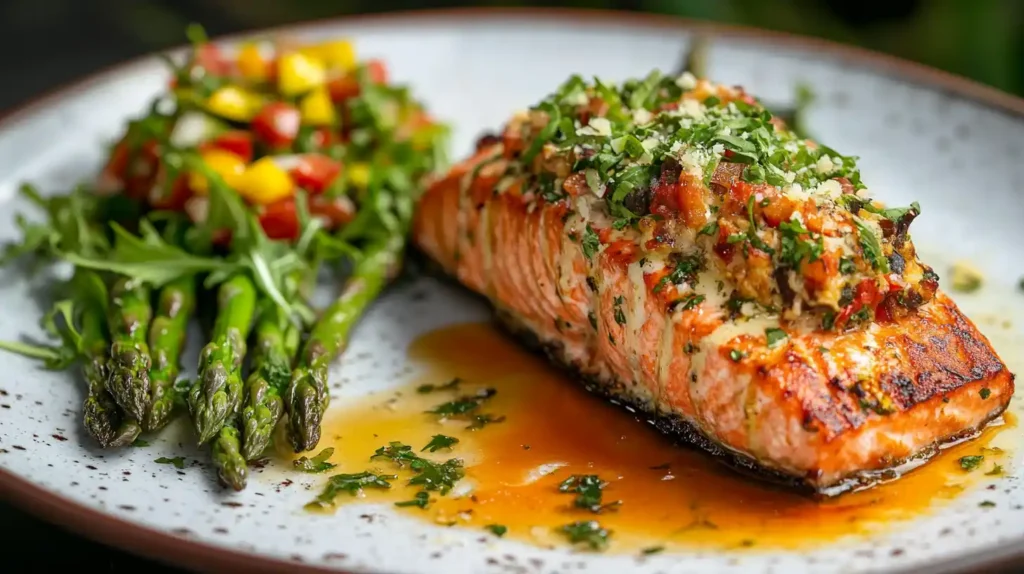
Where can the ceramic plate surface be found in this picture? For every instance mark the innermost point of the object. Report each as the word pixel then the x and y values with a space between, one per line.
pixel 955 147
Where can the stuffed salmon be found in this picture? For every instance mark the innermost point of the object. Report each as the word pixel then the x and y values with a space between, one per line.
pixel 692 258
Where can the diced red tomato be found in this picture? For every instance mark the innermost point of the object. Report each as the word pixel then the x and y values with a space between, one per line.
pixel 866 294
pixel 175 198
pixel 336 210
pixel 238 142
pixel 281 220
pixel 622 251
pixel 378 71
pixel 343 88
pixel 277 124
pixel 347 86
pixel 315 172
pixel 210 58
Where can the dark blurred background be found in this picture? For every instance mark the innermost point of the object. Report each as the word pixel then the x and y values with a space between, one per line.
pixel 51 42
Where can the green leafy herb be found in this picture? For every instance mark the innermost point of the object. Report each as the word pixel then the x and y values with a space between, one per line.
pixel 140 443
pixel 652 550
pixel 970 463
pixel 872 248
pixel 353 484
pixel 620 316
pixel 421 500
pixel 736 355
pixel 428 474
pixel 591 242
pixel 178 461
pixel 587 533
pixel 775 336
pixel 498 530
pixel 984 393
pixel 463 405
pixel 987 504
pixel 317 464
pixel 482 420
pixel 440 441
pixel 997 470
pixel 589 489
pixel 450 385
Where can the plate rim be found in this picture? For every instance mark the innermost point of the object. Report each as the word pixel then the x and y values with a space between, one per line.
pixel 181 550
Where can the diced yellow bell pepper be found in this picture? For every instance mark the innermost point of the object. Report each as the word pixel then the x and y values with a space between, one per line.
pixel 299 73
pixel 317 109
pixel 227 165
pixel 265 183
pixel 358 174
pixel 251 63
pixel 234 103
pixel 335 54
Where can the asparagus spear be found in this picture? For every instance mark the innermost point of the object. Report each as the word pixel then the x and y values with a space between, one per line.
pixel 215 396
pixel 277 339
pixel 227 458
pixel 129 316
pixel 307 397
pixel 166 341
pixel 103 418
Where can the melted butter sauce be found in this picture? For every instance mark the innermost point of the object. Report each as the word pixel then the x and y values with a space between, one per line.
pixel 671 496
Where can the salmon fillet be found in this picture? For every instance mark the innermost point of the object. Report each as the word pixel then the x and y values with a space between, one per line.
pixel 692 258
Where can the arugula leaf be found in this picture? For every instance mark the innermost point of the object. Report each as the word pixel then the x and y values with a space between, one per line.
pixel 147 258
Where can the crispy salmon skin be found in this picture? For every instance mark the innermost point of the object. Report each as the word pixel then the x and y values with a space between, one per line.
pixel 690 256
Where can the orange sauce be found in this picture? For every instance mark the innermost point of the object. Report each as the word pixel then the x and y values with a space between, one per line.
pixel 670 496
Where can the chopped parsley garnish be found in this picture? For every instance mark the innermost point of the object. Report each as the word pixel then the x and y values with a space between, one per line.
pixel 970 463
pixel 178 461
pixel 872 248
pixel 593 319
pixel 440 441
pixel 352 484
pixel 984 393
pixel 589 490
pixel 498 530
pixel 587 533
pixel 685 271
pixel 421 500
pixel 484 419
pixel 316 464
pixel 996 470
pixel 847 266
pixel 450 385
pixel 620 316
pixel 652 550
pixel 591 242
pixel 736 355
pixel 688 302
pixel 463 405
pixel 794 248
pixel 775 336
pixel 986 504
pixel 140 443
pixel 428 474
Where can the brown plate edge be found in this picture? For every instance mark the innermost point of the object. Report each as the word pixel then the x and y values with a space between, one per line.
pixel 181 551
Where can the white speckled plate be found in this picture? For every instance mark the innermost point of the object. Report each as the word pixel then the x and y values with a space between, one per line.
pixel 956 147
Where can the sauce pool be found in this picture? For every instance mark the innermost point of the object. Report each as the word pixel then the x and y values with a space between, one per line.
pixel 671 496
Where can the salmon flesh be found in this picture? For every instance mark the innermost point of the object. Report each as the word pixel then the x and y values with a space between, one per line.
pixel 691 257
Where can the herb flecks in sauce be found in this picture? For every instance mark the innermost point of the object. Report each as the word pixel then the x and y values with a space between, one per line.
pixel 573 433
pixel 317 464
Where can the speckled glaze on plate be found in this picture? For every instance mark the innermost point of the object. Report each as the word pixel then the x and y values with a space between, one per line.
pixel 956 147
